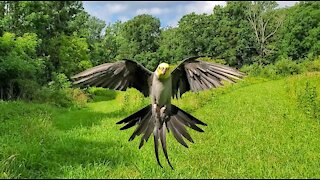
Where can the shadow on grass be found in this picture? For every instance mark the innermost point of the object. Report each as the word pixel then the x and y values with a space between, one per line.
pixel 60 143
pixel 97 98
pixel 58 153
pixel 57 159
pixel 86 154
pixel 67 120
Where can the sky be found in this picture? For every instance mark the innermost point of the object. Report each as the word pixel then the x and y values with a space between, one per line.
pixel 169 12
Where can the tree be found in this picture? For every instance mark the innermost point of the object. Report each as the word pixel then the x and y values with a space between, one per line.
pixel 231 38
pixel 301 32
pixel 108 48
pixel 47 19
pixel 190 32
pixel 170 50
pixel 140 34
pixel 86 26
pixel 265 23
pixel 18 62
pixel 72 54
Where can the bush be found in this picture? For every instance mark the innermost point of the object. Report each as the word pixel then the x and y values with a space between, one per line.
pixel 256 70
pixel 58 92
pixel 285 67
pixel 59 81
pixel 307 100
pixel 28 89
pixel 68 97
pixel 281 68
pixel 101 94
pixel 209 59
pixel 312 65
pixel 303 90
pixel 251 70
pixel 132 100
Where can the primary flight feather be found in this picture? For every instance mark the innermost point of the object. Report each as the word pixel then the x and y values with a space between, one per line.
pixel 160 116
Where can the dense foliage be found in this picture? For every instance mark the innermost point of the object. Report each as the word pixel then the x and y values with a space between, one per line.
pixel 40 39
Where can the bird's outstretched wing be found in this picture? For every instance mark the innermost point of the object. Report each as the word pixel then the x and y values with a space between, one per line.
pixel 195 75
pixel 118 76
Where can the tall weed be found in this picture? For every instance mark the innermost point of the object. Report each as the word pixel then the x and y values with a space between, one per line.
pixel 307 100
pixel 303 90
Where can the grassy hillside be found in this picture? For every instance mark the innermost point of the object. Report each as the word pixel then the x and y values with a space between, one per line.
pixel 256 129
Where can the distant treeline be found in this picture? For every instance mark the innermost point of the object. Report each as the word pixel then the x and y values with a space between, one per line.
pixel 43 41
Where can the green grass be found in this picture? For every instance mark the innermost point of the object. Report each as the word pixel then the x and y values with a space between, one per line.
pixel 256 129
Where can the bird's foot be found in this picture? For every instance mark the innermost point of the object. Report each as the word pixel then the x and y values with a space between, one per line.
pixel 156 110
pixel 162 111
pixel 163 114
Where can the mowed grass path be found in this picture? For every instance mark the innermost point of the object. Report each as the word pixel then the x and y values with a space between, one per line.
pixel 253 132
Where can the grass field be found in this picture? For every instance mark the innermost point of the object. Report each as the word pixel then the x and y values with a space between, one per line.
pixel 255 130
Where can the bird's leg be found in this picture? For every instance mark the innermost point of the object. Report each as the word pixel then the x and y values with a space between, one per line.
pixel 163 114
pixel 162 110
pixel 155 110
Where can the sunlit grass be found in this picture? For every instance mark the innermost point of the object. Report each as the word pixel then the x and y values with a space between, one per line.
pixel 255 130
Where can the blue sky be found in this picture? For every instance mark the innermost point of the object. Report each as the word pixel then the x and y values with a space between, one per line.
pixel 169 12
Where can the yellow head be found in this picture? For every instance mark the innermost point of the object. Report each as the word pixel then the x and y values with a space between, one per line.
pixel 163 71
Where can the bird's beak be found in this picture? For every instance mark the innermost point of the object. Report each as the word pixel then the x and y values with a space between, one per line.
pixel 164 71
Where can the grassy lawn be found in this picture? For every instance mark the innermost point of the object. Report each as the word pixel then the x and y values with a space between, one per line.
pixel 254 131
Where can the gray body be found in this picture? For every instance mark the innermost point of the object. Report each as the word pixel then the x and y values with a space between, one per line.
pixel 160 95
pixel 161 91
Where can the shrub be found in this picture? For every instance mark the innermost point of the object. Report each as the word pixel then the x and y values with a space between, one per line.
pixel 76 96
pixel 58 92
pixel 281 68
pixel 67 97
pixel 303 90
pixel 132 100
pixel 28 89
pixel 101 94
pixel 285 67
pixel 269 71
pixel 307 100
pixel 59 81
pixel 312 65
pixel 209 59
pixel 256 70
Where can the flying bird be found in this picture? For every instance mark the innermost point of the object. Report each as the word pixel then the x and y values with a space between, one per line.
pixel 161 86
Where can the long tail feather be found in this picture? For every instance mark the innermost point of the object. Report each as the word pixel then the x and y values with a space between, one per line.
pixel 156 144
pixel 164 144
pixel 147 123
pixel 176 134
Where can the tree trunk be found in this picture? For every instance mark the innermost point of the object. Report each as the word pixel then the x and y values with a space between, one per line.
pixel 1 93
pixel 10 91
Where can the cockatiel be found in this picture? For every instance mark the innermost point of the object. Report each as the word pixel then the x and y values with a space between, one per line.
pixel 162 85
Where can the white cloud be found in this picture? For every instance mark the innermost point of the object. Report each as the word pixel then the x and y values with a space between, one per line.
pixel 200 7
pixel 153 11
pixel 173 22
pixel 114 8
pixel 282 4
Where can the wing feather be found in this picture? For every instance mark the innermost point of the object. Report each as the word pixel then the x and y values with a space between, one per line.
pixel 196 75
pixel 118 76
